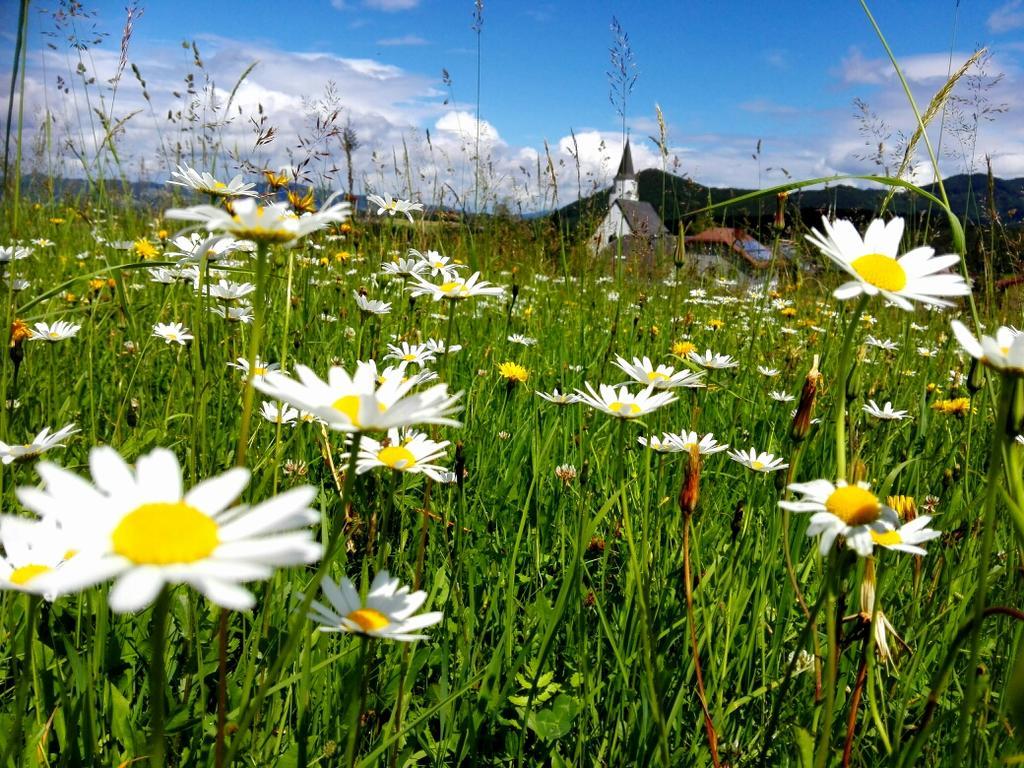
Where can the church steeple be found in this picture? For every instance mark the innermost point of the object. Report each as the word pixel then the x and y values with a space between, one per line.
pixel 626 186
pixel 626 165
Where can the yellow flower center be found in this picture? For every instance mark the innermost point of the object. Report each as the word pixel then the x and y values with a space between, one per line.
pixel 887 539
pixel 396 457
pixel 625 409
pixel 219 185
pixel 348 406
pixel 409 358
pixel 368 619
pixel 165 532
pixel 853 505
pixel 451 287
pixel 757 464
pixel 25 574
pixel 656 376
pixel 881 271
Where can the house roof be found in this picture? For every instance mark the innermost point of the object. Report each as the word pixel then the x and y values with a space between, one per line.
pixel 641 217
pixel 736 240
pixel 626 165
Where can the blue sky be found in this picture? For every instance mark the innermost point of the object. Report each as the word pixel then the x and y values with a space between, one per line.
pixel 725 74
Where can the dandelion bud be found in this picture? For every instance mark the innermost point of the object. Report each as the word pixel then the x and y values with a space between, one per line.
pixel 690 492
pixel 1015 416
pixel 460 463
pixel 858 471
pixel 780 211
pixel 805 410
pixel 585 472
pixel 853 382
pixel 737 517
pixel 975 376
pixel 904 506
pixel 19 333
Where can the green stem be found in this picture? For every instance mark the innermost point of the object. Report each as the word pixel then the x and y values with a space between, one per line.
pixel 358 705
pixel 842 372
pixel 158 677
pixel 31 614
pixel 831 662
pixel 251 707
pixel 259 312
pixel 999 440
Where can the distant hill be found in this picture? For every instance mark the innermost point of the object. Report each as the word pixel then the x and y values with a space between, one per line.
pixel 675 198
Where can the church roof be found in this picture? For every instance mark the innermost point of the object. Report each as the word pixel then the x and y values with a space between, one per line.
pixel 641 217
pixel 626 165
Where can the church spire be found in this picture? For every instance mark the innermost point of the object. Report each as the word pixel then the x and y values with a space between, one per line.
pixel 626 165
pixel 626 186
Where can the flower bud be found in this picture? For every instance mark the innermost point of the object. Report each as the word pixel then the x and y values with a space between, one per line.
pixel 780 211
pixel 690 492
pixel 805 410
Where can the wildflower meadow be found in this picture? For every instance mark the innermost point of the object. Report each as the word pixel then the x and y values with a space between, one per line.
pixel 293 477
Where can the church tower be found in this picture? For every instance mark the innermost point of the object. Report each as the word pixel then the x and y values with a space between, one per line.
pixel 625 187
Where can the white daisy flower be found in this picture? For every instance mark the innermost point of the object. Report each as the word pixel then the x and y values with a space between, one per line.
pixel 886 412
pixel 387 611
pixel 225 290
pixel 261 369
pixel 855 513
pixel 39 445
pixel 455 288
pixel 190 249
pixel 624 404
pixel 405 267
pixel 558 398
pixel 172 333
pixel 1004 351
pixel 140 527
pixel 206 184
pixel 759 462
pixel 34 551
pixel 683 442
pixel 241 313
pixel 907 536
pixel 662 377
pixel 771 373
pixel 371 306
pixel 390 205
pixel 408 353
pixel 781 397
pixel 887 344
pixel 918 275
pixel 278 413
pixel 356 403
pixel 58 331
pixel 273 223
pixel 518 338
pixel 439 347
pixel 713 360
pixel 410 452
pixel 9 253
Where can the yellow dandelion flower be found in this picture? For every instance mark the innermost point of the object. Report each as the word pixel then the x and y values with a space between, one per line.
pixel 958 406
pixel 97 284
pixel 715 324
pixel 162 234
pixel 513 373
pixel 683 348
pixel 144 248
pixel 788 311
pixel 342 256
pixel 904 506
pixel 56 220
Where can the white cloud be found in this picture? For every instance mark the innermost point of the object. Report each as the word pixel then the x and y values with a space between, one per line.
pixel 1007 17
pixel 416 145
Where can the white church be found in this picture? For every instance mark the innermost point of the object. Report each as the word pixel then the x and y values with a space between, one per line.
pixel 631 226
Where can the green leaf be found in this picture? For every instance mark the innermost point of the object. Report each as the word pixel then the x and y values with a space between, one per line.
pixel 556 721
pixel 805 744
